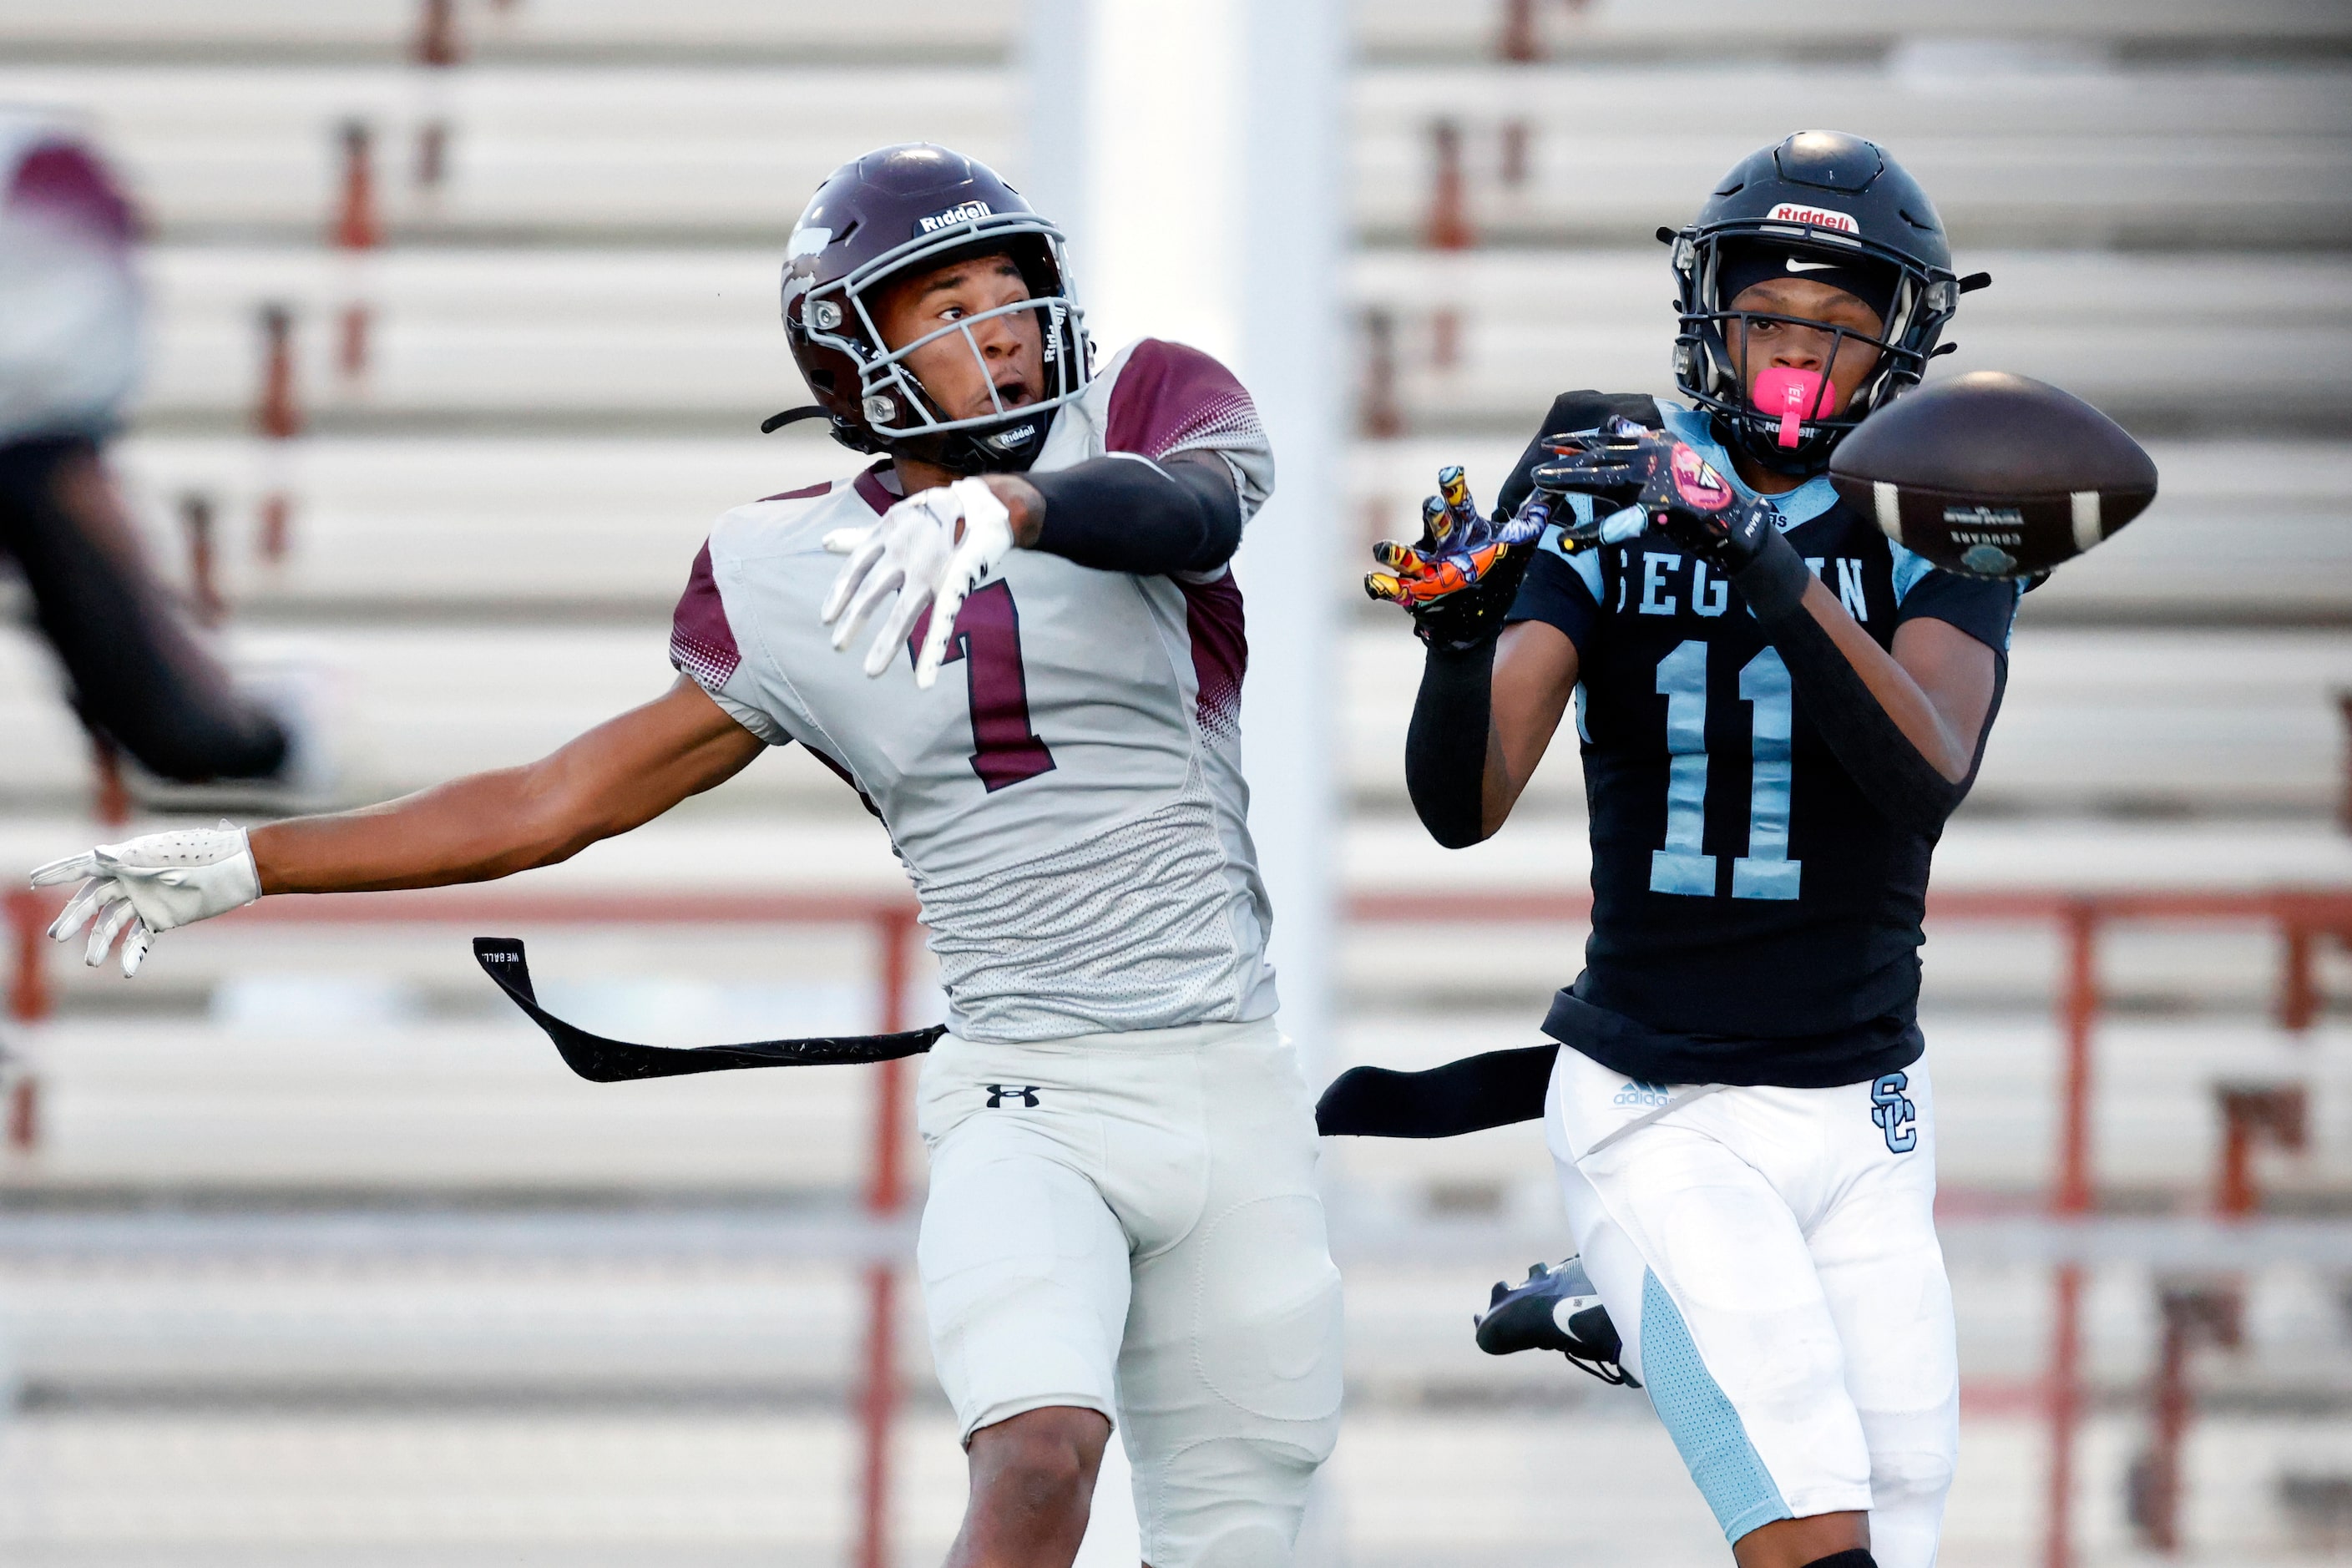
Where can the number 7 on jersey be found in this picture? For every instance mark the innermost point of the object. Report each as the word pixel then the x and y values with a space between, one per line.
pixel 1005 748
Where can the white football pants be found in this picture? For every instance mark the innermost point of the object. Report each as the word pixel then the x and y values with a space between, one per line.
pixel 1769 1259
pixel 1128 1223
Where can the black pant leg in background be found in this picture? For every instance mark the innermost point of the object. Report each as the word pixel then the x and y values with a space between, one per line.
pixel 138 676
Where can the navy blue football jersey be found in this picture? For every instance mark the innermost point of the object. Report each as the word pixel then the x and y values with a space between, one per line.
pixel 1755 919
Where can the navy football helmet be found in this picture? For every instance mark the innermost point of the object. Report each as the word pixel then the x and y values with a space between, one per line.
pixel 1825 195
pixel 906 209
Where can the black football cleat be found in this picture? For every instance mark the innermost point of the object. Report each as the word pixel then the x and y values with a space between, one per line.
pixel 1556 1309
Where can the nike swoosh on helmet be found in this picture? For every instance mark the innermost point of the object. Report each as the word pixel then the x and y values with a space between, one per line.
pixel 1797 266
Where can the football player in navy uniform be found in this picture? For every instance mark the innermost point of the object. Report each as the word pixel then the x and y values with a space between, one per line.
pixel 1778 708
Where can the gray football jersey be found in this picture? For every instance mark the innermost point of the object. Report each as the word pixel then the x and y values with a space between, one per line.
pixel 1067 797
pixel 69 300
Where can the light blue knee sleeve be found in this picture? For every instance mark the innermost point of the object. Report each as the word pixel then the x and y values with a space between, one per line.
pixel 1699 1417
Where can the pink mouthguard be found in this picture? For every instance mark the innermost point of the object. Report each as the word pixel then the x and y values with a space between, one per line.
pixel 1795 395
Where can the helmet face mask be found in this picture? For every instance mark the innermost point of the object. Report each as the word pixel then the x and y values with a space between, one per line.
pixel 1826 194
pixel 895 215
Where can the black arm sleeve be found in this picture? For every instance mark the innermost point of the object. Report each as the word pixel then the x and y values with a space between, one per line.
pixel 1127 514
pixel 136 675
pixel 1466 1096
pixel 1903 784
pixel 1445 749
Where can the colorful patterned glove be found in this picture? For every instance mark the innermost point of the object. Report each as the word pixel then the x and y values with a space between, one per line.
pixel 1631 469
pixel 1458 582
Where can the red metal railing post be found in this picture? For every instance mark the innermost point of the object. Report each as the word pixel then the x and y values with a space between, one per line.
pixel 1447 226
pixel 2343 798
pixel 2253 1115
pixel 1519 41
pixel 885 1194
pixel 2192 1315
pixel 29 992
pixel 2078 1016
pixel 356 226
pixel 110 796
pixel 1381 415
pixel 277 418
pixel 2299 1004
pixel 203 559
pixel 2078 1009
pixel 2065 1398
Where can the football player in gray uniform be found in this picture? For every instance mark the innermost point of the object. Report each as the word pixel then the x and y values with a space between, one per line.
pixel 1122 1224
pixel 69 355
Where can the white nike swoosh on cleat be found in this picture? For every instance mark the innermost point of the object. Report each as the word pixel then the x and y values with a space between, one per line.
pixel 1797 266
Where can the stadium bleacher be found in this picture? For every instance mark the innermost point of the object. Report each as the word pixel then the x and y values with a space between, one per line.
pixel 571 337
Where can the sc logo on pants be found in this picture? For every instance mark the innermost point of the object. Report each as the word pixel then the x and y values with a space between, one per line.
pixel 1896 1115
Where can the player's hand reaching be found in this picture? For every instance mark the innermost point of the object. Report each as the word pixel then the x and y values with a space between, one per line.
pixel 929 549
pixel 150 884
pixel 1640 478
pixel 1458 582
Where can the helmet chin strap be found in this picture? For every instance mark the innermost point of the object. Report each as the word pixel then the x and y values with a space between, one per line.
pixel 970 452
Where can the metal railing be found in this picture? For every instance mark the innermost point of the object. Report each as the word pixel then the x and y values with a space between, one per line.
pixel 2301 917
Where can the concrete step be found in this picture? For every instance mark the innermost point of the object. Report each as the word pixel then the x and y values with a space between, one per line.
pixel 2066 150
pixel 327 1078
pixel 1527 324
pixel 2203 721
pixel 1401 32
pixel 655 338
pixel 1407 1489
pixel 1390 30
pixel 243 1326
pixel 529 529
pixel 547 30
pixel 2088 152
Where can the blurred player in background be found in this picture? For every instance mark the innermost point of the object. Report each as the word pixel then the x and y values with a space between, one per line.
pixel 70 328
pixel 1122 1223
pixel 1779 707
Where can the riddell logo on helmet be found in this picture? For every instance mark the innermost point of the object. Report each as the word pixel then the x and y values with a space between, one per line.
pixel 1816 217
pixel 953 216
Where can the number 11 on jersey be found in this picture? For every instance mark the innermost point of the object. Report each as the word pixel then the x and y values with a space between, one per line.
pixel 1682 866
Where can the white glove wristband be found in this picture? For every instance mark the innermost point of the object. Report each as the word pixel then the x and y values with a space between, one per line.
pixel 150 884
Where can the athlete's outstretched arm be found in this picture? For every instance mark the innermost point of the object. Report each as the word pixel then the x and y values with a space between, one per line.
pixel 1483 721
pixel 1120 512
pixel 623 772
pixel 1909 726
pixel 619 775
pixel 1936 684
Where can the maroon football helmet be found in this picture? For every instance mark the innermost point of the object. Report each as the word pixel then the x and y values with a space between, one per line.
pixel 907 209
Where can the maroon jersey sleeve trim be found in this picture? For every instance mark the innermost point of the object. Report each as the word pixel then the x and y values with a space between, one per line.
pixel 871 489
pixel 1214 619
pixel 66 181
pixel 701 643
pixel 807 492
pixel 1169 397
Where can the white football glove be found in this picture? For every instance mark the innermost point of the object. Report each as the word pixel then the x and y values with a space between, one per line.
pixel 919 551
pixel 150 884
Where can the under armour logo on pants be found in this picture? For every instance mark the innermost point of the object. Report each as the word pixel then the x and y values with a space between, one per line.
pixel 998 1093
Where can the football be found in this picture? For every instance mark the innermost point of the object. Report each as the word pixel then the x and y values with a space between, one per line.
pixel 1994 475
